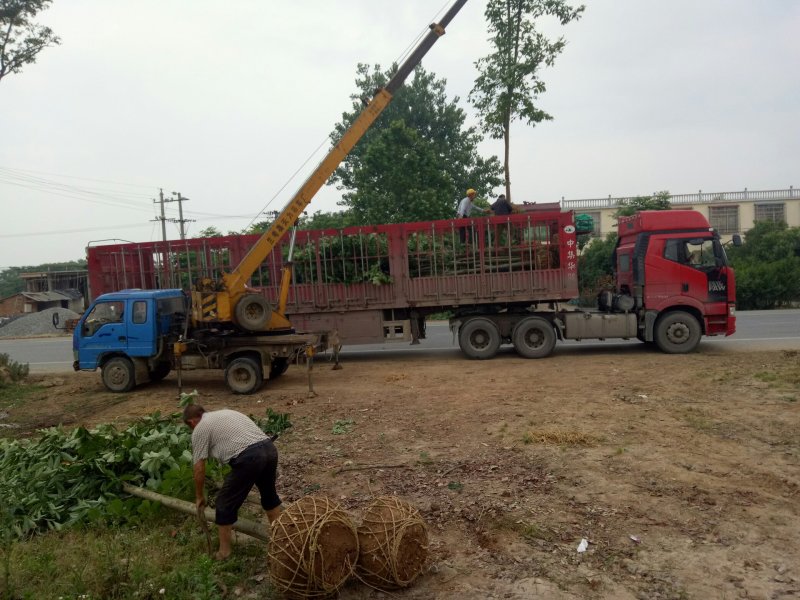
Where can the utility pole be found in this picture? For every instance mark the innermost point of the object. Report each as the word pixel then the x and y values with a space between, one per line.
pixel 163 219
pixel 180 199
pixel 180 220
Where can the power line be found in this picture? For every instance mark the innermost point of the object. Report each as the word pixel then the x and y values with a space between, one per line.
pixel 76 177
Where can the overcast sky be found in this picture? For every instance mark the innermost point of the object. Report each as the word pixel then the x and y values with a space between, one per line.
pixel 224 101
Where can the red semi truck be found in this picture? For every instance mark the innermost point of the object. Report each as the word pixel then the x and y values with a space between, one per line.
pixel 511 282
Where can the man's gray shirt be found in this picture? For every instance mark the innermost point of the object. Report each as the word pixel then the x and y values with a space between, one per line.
pixel 223 434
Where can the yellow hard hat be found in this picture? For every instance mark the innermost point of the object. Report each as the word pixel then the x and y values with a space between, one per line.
pixel 470 192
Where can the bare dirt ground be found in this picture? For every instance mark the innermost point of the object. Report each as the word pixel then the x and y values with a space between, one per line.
pixel 681 472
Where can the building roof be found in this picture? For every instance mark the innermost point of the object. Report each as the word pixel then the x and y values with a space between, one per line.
pixel 55 296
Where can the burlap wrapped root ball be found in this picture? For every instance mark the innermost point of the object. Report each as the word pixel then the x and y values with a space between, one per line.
pixel 393 544
pixel 313 548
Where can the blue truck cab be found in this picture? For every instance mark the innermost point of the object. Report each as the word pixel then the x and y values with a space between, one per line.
pixel 128 333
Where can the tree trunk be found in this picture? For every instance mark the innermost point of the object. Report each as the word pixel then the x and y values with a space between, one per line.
pixel 507 144
pixel 251 528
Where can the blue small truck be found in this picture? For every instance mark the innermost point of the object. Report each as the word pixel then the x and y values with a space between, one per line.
pixel 137 336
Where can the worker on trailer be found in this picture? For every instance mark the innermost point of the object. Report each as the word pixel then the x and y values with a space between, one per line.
pixel 464 210
pixel 232 438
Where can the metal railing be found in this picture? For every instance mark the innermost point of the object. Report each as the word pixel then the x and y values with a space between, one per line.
pixel 700 197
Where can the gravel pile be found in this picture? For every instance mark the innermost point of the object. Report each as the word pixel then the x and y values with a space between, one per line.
pixel 38 323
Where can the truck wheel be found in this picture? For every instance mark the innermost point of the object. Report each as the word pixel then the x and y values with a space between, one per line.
pixel 677 332
pixel 119 375
pixel 243 376
pixel 534 337
pixel 252 312
pixel 278 368
pixel 479 338
pixel 160 371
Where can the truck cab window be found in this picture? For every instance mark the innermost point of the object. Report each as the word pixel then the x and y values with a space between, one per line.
pixel 139 312
pixel 102 313
pixel 695 253
pixel 700 254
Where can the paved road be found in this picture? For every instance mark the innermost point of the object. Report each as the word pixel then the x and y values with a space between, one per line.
pixel 756 330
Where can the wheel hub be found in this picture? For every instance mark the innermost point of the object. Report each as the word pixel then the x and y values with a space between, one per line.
pixel 678 333
pixel 479 339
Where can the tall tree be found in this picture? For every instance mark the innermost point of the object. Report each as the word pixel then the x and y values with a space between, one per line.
pixel 21 39
pixel 417 160
pixel 508 82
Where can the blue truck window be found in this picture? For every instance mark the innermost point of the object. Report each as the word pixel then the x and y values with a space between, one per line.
pixel 139 312
pixel 102 313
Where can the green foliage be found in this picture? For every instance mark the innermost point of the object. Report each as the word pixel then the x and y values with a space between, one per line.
pixel 11 371
pixel 658 201
pixel 508 83
pixel 209 232
pixel 274 422
pixel 399 179
pixel 64 478
pixel 767 266
pixel 417 160
pixel 343 426
pixel 11 282
pixel 328 220
pixel 187 398
pixel 596 267
pixel 21 39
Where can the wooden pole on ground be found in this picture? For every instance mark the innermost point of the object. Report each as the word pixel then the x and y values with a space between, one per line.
pixel 251 528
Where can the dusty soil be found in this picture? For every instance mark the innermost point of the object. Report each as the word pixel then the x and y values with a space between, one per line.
pixel 681 472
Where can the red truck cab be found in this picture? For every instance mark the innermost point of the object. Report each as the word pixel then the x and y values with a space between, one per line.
pixel 674 266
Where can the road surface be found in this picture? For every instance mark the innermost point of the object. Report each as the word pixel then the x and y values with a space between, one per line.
pixel 755 330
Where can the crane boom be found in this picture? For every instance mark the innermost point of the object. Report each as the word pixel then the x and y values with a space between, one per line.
pixel 229 299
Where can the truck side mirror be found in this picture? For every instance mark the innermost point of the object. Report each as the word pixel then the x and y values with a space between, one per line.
pixel 736 239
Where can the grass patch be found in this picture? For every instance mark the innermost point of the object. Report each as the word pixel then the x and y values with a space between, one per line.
pixel 343 426
pixel 14 394
pixel 533 532
pixel 558 437
pixel 167 554
pixel 766 376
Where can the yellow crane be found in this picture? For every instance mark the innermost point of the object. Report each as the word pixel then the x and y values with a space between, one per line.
pixel 229 300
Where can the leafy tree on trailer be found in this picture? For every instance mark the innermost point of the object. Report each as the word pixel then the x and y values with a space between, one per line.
pixel 21 39
pixel 508 83
pixel 658 201
pixel 417 160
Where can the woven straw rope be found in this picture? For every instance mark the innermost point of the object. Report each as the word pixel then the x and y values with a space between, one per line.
pixel 389 535
pixel 304 545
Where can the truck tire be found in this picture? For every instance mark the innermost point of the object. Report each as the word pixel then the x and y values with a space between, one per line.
pixel 160 371
pixel 677 332
pixel 119 375
pixel 279 366
pixel 252 312
pixel 534 337
pixel 243 375
pixel 479 338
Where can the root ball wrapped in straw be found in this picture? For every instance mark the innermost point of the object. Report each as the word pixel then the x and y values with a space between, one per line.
pixel 313 548
pixel 393 544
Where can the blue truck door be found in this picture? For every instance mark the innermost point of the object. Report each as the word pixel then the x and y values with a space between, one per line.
pixel 141 328
pixel 102 330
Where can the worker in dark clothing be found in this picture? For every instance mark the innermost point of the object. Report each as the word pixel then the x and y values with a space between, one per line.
pixel 502 206
pixel 232 438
